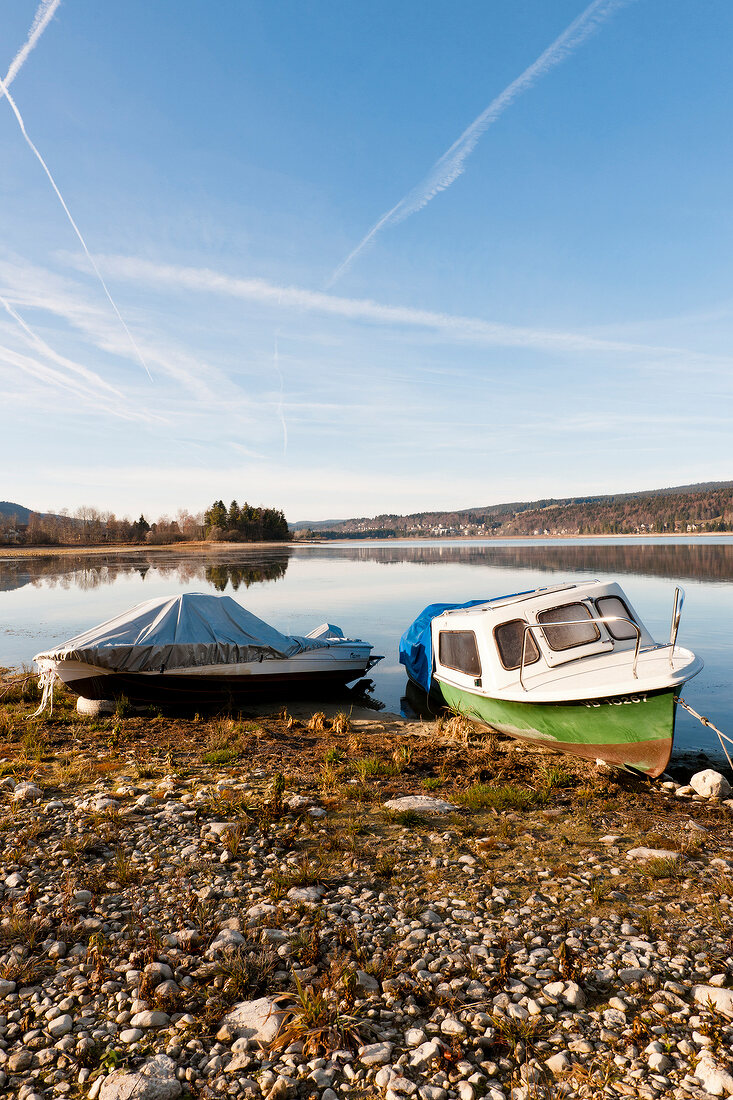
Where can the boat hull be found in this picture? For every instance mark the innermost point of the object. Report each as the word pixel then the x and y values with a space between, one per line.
pixel 204 688
pixel 633 731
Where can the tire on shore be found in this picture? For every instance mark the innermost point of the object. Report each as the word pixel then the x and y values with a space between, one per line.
pixel 93 708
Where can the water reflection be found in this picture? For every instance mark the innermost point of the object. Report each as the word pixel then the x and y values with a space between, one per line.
pixel 89 571
pixel 699 560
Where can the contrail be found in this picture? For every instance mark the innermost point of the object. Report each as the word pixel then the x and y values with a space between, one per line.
pixel 40 344
pixel 4 91
pixel 450 166
pixel 44 15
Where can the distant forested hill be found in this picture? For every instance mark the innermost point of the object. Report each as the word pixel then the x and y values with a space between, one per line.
pixel 683 509
pixel 16 511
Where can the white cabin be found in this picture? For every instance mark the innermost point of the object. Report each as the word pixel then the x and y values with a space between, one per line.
pixel 570 641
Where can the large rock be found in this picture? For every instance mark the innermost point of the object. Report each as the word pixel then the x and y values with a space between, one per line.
pixel 375 1054
pixel 259 1021
pixel 651 853
pixel 711 784
pixel 721 999
pixel 226 941
pixel 156 1080
pixel 420 803
pixel 27 792
pixel 715 1079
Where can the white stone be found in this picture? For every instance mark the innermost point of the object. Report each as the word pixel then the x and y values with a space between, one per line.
pixel 711 784
pixel 131 1035
pixel 421 803
pixel 401 1086
pixel 715 1079
pixel 558 1064
pixel 651 853
pixel 573 995
pixel 375 1054
pixel 150 1018
pixel 14 881
pixel 156 1080
pixel 62 1025
pixel 451 1026
pixel 414 1036
pixel 259 1021
pixel 221 828
pixel 309 894
pixel 27 792
pixel 721 999
pixel 425 1053
pixel 226 940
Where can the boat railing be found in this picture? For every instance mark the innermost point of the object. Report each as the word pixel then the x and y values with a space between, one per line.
pixel 679 599
pixel 530 627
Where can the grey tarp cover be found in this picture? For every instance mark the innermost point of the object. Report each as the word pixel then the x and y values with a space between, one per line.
pixel 193 629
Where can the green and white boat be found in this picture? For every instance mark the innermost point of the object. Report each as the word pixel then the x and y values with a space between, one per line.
pixel 571 666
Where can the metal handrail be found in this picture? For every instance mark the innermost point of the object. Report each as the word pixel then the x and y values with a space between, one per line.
pixel 679 599
pixel 528 627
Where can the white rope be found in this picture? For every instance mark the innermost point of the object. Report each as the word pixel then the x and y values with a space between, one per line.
pixel 722 737
pixel 45 681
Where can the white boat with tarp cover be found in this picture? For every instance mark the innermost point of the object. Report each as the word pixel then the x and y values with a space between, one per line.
pixel 199 647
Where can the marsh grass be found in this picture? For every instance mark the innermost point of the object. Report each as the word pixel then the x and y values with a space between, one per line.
pixel 341 723
pixel 319 1020
pixel 371 767
pixel 662 867
pixel 552 778
pixel 247 971
pixel 486 796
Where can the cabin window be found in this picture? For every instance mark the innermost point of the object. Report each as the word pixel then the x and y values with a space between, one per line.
pixel 580 628
pixel 509 638
pixel 457 649
pixel 612 605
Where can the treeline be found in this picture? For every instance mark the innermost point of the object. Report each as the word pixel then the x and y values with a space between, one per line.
pixel 244 524
pixel 678 510
pixel 91 527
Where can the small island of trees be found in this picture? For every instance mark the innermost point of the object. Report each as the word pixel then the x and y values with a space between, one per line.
pixel 90 527
pixel 244 524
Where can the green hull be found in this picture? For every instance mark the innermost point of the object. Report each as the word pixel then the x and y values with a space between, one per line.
pixel 633 731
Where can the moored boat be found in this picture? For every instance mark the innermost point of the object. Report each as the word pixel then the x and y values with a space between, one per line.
pixel 201 648
pixel 570 665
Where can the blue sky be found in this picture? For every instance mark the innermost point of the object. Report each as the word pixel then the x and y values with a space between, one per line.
pixel 556 320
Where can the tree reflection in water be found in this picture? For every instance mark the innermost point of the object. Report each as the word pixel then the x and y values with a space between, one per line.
pixel 221 575
pixel 86 571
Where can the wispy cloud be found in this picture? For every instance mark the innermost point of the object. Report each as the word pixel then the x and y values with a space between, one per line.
pixel 448 326
pixel 83 393
pixel 450 166
pixel 44 14
pixel 41 346
pixel 28 287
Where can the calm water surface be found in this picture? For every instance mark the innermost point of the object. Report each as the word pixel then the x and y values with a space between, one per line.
pixel 373 591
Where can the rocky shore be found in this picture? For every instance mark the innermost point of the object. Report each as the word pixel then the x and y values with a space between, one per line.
pixel 277 906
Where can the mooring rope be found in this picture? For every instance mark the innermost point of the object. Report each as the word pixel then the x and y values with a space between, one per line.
pixel 722 737
pixel 45 682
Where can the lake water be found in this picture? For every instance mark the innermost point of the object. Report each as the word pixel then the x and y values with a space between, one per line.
pixel 373 591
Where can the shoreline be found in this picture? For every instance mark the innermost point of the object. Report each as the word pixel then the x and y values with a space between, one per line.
pixel 203 547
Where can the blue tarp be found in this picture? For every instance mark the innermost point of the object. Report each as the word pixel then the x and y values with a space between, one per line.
pixel 416 644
